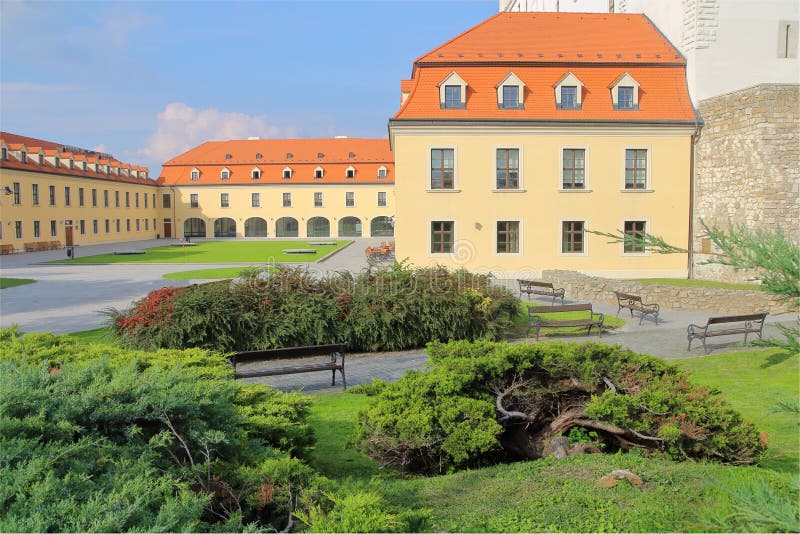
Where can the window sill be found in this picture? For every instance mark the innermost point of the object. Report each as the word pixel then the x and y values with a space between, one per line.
pixel 637 190
pixel 635 254
pixel 443 190
pixel 575 190
pixel 509 190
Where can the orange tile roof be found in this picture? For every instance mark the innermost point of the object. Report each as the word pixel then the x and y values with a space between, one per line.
pixel 211 157
pixel 541 48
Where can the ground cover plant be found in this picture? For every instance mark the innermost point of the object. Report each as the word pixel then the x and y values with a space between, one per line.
pixel 217 252
pixel 523 399
pixel 694 282
pixel 13 282
pixel 219 273
pixel 99 438
pixel 385 308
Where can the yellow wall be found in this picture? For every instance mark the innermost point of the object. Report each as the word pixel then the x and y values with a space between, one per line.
pixel 27 212
pixel 333 207
pixel 542 206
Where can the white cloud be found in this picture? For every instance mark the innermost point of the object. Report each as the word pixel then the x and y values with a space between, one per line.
pixel 180 127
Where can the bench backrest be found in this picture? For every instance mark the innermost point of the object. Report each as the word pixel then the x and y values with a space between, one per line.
pixel 536 310
pixel 534 283
pixel 627 296
pixel 288 353
pixel 738 318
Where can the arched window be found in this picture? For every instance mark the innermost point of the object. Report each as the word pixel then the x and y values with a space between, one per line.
pixel 194 227
pixel 381 227
pixel 224 227
pixel 349 227
pixel 286 227
pixel 255 227
pixel 318 227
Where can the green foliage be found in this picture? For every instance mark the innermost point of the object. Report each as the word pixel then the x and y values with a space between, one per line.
pixel 13 282
pixel 98 438
pixel 390 308
pixel 353 512
pixel 756 505
pixel 445 417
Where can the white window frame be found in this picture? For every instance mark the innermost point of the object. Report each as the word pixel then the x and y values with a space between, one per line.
pixel 283 205
pixel 319 173
pixel 353 194
pixel 569 79
pixel 255 173
pixel 521 185
pixel 455 188
pixel 586 234
pixel 508 254
pixel 647 229
pixel 227 198
pixel 284 171
pixel 385 199
pixel 194 173
pixel 511 79
pixel 430 240
pixel 255 201
pixel 626 80
pixel 453 79
pixel 321 199
pixel 349 170
pixel 648 179
pixel 586 188
pixel 225 174
pixel 385 172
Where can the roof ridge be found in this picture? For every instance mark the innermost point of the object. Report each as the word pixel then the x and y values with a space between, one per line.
pixel 460 35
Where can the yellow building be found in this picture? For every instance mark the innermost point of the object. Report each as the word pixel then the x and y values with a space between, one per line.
pixel 517 137
pixel 341 187
pixel 53 195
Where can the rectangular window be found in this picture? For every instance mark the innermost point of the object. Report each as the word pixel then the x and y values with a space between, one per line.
pixel 569 97
pixel 507 168
pixel 105 198
pixel 166 201
pixel 381 172
pixel 349 199
pixel 35 194
pixel 224 175
pixel 94 226
pixel 511 97
pixel 634 229
pixel 108 226
pixel 116 199
pixel 573 168
pixel 66 196
pixel 452 96
pixel 18 229
pixel 442 237
pixel 154 200
pixel 195 175
pixel 507 237
pixel 635 168
pixel 127 225
pixel 381 198
pixel 194 201
pixel 138 225
pixel 80 196
pixel 94 198
pixel 255 200
pixel 17 194
pixel 4 153
pixel 117 225
pixel 287 174
pixel 625 97
pixel 82 226
pixel 442 168
pixel 287 200
pixel 36 232
pixel 127 199
pixel 136 199
pixel 53 228
pixel 224 200
pixel 52 190
pixel 256 174
pixel 572 237
pixel 317 200
pixel 146 224
pixel 145 201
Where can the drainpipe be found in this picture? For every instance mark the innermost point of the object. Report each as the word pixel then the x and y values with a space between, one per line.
pixel 690 240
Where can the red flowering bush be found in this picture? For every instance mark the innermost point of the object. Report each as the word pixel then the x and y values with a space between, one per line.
pixel 153 310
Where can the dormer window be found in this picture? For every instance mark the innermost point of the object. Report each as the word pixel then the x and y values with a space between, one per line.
pixel 287 173
pixel 144 175
pixel 453 92
pixel 57 162
pixel 71 164
pixel 625 93
pixel 195 175
pixel 318 172
pixel 41 159
pixel 23 157
pixel 510 92
pixel 381 172
pixel 84 165
pixel 224 174
pixel 4 153
pixel 569 92
pixel 350 172
pixel 255 174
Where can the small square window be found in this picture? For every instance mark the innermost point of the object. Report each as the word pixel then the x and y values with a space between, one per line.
pixel 569 97
pixel 318 174
pixel 452 97
pixel 508 237
pixel 382 172
pixel 511 97
pixel 625 97
pixel 351 173
pixel 225 175
pixel 195 175
pixel 256 175
pixel 442 237
pixel 287 174
pixel 572 235
pixel 635 230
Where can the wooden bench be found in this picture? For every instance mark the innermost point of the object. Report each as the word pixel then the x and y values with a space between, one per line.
pixel 742 324
pixel 534 287
pixel 537 321
pixel 7 249
pixel 31 247
pixel 54 245
pixel 334 362
pixel 634 303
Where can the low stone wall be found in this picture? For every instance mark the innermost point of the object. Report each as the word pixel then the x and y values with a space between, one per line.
pixel 720 301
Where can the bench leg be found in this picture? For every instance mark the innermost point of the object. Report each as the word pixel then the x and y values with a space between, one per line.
pixel 704 346
pixel 333 377
pixel 690 342
pixel 537 332
pixel 344 379
pixel 745 339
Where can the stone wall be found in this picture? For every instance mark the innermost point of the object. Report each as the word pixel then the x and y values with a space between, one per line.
pixel 719 301
pixel 747 166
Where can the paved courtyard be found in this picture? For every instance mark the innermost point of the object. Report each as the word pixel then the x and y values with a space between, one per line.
pixel 69 298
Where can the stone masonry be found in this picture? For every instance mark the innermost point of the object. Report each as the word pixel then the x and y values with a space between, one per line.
pixel 579 286
pixel 747 167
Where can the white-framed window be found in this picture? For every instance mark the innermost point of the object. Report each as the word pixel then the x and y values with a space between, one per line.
pixel 319 172
pixel 287 200
pixel 23 157
pixel 382 172
pixel 224 174
pixel 287 173
pixel 573 237
pixel 255 174
pixel 625 93
pixel 255 200
pixel 41 159
pixel 381 198
pixel 318 200
pixel 36 229
pixel 442 169
pixel 442 237
pixel 4 153
pixel 507 168
pixel 195 175
pixel 637 169
pixel 350 172
pixel 349 199
pixel 508 237
pixel 194 200
pixel 224 200
pixel 510 92
pixel 573 168
pixel 453 92
pixel 569 92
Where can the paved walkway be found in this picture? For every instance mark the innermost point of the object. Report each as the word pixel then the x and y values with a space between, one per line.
pixel 68 298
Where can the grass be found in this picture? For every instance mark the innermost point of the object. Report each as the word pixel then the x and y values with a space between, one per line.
pixel 553 495
pixel 100 336
pixel 217 252
pixel 206 274
pixel 708 284
pixel 521 322
pixel 13 282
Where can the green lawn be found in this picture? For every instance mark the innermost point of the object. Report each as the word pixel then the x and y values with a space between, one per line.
pixel 217 252
pixel 13 282
pixel 708 284
pixel 206 274
pixel 96 335
pixel 521 322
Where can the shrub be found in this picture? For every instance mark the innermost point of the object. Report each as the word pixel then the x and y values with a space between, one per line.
pixel 391 308
pixel 487 402
pixel 97 438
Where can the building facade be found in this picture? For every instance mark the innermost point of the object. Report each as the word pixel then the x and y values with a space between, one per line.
pixel 514 140
pixel 54 195
pixel 341 187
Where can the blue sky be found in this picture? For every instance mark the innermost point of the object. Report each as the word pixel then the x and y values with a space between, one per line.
pixel 148 80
